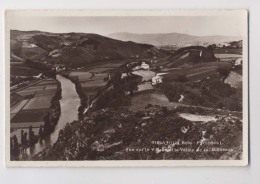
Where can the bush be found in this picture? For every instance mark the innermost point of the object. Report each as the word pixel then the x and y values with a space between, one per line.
pixel 181 78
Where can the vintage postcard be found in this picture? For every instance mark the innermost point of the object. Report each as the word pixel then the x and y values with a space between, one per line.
pixel 120 88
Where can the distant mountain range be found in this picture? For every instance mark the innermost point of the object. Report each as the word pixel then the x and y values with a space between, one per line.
pixel 172 38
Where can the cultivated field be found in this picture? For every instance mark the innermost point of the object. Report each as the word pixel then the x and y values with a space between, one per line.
pixel 228 51
pixel 42 102
pixel 29 116
pixel 17 107
pixel 142 99
pixel 221 56
pixel 146 74
pixel 34 104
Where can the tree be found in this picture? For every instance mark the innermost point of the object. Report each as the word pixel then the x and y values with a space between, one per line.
pixel 11 146
pixel 223 71
pixel 25 138
pixel 165 110
pixel 46 125
pixel 31 136
pixel 40 132
pixel 210 47
pixel 16 151
pixel 22 137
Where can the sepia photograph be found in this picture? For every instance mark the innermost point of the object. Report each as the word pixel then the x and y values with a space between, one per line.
pixel 126 88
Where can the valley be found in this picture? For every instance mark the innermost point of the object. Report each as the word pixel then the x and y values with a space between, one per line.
pixel 88 97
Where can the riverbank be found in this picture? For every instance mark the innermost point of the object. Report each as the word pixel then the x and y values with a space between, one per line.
pixel 82 95
pixel 30 141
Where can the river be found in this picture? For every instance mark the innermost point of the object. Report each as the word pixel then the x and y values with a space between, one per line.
pixel 69 103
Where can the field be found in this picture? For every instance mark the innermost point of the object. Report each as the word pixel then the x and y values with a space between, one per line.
pixel 179 60
pixel 198 71
pixel 93 83
pixel 90 81
pixel 34 88
pixel 147 75
pixel 23 71
pixel 46 92
pixel 25 125
pixel 100 70
pixel 41 102
pixel 29 116
pixel 47 82
pixel 82 76
pixel 17 107
pixel 228 51
pixel 107 67
pixel 26 93
pixel 221 56
pixel 33 105
pixel 145 86
pixel 142 99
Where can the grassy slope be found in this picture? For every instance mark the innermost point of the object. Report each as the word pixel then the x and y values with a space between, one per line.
pixel 23 71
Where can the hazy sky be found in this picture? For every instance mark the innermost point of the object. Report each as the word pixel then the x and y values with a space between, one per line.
pixel 199 26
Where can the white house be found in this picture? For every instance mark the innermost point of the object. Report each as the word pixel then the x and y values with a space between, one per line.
pixel 29 45
pixel 144 66
pixel 158 78
pixel 137 68
pixel 123 75
pixel 238 62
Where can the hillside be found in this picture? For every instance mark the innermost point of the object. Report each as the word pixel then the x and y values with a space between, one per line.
pixel 191 55
pixel 120 135
pixel 171 38
pixel 75 49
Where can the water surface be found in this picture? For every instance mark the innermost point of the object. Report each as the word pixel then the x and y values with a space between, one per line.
pixel 69 104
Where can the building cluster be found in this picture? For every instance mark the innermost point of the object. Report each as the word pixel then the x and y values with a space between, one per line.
pixel 150 78
pixel 143 66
